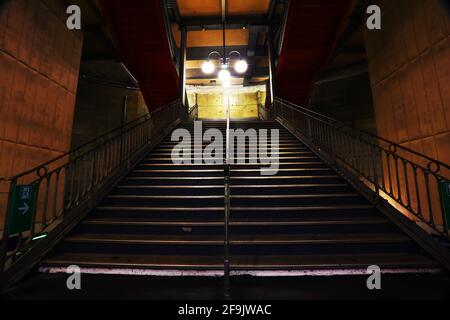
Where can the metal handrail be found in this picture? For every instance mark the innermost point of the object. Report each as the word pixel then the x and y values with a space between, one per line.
pixel 338 123
pixel 227 172
pixel 406 178
pixel 71 185
pixel 93 141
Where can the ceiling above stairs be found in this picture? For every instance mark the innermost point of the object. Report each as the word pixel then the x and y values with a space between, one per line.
pixel 247 29
pixel 119 33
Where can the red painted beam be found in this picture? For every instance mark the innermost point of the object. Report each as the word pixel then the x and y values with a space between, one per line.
pixel 138 28
pixel 312 29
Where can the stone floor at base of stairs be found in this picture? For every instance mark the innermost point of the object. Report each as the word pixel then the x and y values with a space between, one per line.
pixel 394 287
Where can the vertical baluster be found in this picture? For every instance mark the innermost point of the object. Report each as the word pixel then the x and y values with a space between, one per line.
pixel 358 156
pixel 430 206
pixel 368 161
pixel 351 151
pixel 388 156
pixel 55 196
pixel 374 157
pixel 44 211
pixel 367 172
pixel 397 176
pixel 94 172
pixel 334 142
pixel 79 164
pixel 5 239
pixel 102 164
pixel 82 178
pixel 408 193
pixel 115 143
pixel 34 217
pixel 108 158
pixel 64 191
pixel 416 185
pixel 381 152
pixel 70 193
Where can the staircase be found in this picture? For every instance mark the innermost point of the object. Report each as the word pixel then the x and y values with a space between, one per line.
pixel 166 217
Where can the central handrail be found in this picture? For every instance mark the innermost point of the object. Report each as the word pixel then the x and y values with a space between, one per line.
pixel 227 171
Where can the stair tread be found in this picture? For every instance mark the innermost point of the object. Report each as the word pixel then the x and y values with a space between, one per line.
pixel 193 209
pixel 297 208
pixel 237 239
pixel 232 170
pixel 163 197
pixel 219 164
pixel 323 185
pixel 282 155
pixel 219 223
pixel 270 229
pixel 235 177
pixel 243 262
pixel 303 196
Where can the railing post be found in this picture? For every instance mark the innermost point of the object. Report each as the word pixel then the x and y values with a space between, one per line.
pixel 227 293
pixel 5 237
pixel 227 169
pixel 94 173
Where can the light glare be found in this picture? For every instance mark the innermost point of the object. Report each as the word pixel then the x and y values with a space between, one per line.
pixel 241 66
pixel 226 83
pixel 208 67
pixel 224 75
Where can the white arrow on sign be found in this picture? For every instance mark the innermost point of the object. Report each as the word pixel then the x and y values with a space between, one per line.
pixel 24 209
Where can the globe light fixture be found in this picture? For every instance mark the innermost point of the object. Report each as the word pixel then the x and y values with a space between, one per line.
pixel 224 59
pixel 224 74
pixel 208 67
pixel 241 66
pixel 226 83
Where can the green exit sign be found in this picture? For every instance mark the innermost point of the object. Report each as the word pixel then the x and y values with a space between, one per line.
pixel 445 197
pixel 22 209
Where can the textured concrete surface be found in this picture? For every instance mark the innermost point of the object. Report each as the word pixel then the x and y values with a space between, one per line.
pixel 410 74
pixel 39 63
pixel 100 109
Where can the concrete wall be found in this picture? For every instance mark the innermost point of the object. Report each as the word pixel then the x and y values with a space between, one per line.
pixel 242 105
pixel 39 65
pixel 409 62
pixel 100 109
pixel 348 100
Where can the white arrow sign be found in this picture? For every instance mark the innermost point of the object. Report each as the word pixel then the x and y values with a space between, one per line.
pixel 24 209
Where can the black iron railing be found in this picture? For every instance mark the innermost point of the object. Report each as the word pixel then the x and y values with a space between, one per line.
pixel 71 185
pixel 407 179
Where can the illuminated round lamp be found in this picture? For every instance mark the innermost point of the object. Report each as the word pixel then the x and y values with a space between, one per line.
pixel 241 66
pixel 226 83
pixel 224 75
pixel 208 67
